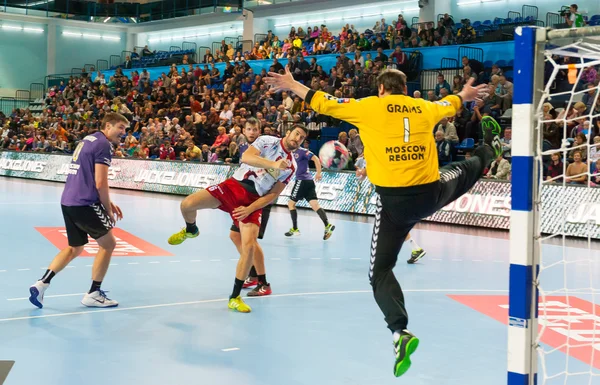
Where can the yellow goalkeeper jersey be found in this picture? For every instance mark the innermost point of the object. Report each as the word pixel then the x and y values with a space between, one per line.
pixel 396 131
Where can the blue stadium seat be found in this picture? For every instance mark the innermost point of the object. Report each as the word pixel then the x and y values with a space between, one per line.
pixel 467 144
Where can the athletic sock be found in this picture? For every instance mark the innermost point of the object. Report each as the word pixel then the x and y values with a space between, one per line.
pixel 262 279
pixel 323 216
pixel 237 288
pixel 48 276
pixel 413 244
pixel 294 215
pixel 253 272
pixel 95 286
pixel 191 228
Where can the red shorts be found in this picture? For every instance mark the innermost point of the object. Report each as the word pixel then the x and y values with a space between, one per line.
pixel 232 195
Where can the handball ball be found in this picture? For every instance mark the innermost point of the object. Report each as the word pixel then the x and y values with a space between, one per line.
pixel 334 155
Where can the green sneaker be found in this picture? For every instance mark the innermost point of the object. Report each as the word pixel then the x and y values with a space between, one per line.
pixel 179 237
pixel 491 134
pixel 416 255
pixel 405 344
pixel 292 232
pixel 328 231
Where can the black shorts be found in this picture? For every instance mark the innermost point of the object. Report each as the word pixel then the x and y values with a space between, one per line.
pixel 81 221
pixel 266 213
pixel 304 189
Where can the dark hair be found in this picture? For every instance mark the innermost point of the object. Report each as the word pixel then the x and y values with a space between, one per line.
pixel 393 81
pixel 253 122
pixel 575 7
pixel 113 118
pixel 300 126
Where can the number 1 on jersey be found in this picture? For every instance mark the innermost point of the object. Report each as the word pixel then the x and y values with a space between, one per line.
pixel 406 130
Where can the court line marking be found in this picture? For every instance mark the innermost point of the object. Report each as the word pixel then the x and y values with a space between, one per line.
pixel 133 263
pixel 23 269
pixel 47 296
pixel 173 304
pixel 230 349
pixel 335 258
pixel 355 259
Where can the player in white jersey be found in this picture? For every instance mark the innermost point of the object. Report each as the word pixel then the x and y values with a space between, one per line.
pixel 417 252
pixel 265 168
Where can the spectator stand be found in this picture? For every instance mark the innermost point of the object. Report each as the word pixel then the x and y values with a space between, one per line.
pixel 191 50
pixel 529 12
pixel 102 65
pixel 114 61
pixel 89 68
pixel 37 92
pixel 260 37
pixel 215 47
pixel 54 80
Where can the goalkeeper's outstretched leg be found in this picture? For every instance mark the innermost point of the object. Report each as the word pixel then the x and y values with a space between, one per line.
pixel 396 215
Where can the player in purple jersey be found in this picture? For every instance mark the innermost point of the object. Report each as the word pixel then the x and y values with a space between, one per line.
pixel 251 132
pixel 88 210
pixel 304 188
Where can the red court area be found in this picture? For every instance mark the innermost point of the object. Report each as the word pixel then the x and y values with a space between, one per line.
pixel 571 323
pixel 128 245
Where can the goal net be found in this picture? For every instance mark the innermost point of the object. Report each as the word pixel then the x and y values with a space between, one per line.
pixel 554 308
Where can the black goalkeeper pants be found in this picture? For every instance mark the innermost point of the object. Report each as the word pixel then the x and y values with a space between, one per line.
pixel 398 210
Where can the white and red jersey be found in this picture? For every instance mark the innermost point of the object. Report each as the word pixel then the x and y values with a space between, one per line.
pixel 270 148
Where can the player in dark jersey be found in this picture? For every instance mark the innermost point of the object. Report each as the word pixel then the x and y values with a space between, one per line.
pixel 304 188
pixel 88 210
pixel 251 132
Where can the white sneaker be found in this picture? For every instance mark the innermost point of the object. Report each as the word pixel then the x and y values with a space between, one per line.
pixel 37 293
pixel 98 299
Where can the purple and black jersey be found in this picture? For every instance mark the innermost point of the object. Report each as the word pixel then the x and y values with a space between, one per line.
pixel 303 156
pixel 243 147
pixel 80 188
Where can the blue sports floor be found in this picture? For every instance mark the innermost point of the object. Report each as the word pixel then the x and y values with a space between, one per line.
pixel 321 326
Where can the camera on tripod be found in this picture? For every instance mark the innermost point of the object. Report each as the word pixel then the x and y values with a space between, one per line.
pixel 565 10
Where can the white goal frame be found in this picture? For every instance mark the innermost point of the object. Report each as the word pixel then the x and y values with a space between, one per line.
pixel 525 231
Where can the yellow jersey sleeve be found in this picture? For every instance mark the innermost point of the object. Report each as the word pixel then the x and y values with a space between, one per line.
pixel 349 110
pixel 444 108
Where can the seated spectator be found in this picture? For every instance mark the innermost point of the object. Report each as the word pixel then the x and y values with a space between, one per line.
pixel 355 145
pixel 466 34
pixel 442 83
pixel 577 171
pixel 443 148
pixel 555 170
pixel 447 128
pixel 499 169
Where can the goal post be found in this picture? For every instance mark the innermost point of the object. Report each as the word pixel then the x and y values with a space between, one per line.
pixel 524 217
pixel 534 49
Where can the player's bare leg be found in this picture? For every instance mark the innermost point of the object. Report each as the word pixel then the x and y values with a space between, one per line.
pixel 249 236
pixel 96 297
pixel 417 252
pixel 64 257
pixel 62 260
pixel 199 200
pixel 314 204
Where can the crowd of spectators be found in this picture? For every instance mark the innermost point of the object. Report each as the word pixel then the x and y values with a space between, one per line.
pixel 182 115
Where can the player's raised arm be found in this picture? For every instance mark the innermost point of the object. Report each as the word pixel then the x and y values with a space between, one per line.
pixel 252 158
pixel 349 110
